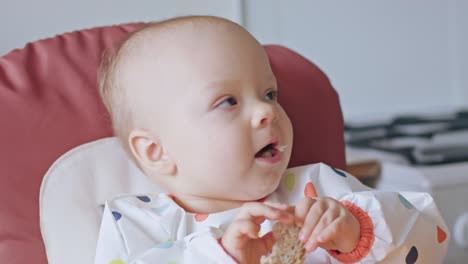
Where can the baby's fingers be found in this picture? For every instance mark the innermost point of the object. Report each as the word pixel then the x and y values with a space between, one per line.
pixel 327 219
pixel 329 233
pixel 337 236
pixel 311 220
pixel 302 209
pixel 260 211
pixel 238 234
pixel 244 227
pixel 280 206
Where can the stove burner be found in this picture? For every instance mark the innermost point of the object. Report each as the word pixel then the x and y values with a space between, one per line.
pixel 422 140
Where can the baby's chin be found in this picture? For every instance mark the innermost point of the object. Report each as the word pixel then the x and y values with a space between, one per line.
pixel 262 194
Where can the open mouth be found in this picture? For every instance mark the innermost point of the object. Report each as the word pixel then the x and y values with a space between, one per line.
pixel 268 151
pixel 271 153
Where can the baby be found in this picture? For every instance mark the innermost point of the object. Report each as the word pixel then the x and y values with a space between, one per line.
pixel 194 102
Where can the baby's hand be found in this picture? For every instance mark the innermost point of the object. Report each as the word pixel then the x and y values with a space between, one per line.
pixel 241 239
pixel 326 223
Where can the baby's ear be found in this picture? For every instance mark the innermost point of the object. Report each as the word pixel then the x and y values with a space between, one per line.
pixel 150 154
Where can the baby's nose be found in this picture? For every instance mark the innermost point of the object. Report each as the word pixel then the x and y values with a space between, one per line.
pixel 264 115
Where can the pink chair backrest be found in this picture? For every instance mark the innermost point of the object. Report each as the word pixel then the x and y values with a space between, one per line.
pixel 313 107
pixel 49 104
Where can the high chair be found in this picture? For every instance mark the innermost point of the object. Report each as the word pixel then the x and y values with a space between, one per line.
pixel 49 105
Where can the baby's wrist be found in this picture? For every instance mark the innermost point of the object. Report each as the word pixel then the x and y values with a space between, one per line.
pixel 366 236
pixel 355 235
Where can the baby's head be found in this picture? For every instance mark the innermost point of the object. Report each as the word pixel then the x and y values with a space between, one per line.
pixel 193 100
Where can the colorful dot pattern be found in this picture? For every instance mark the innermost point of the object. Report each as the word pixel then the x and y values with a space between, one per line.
pixel 116 215
pixel 342 174
pixel 116 261
pixel 200 217
pixel 412 256
pixel 165 245
pixel 405 202
pixel 441 235
pixel 289 183
pixel 309 190
pixel 145 199
pixel 160 209
pixel 413 253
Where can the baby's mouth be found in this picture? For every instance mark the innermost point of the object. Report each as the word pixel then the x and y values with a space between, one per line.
pixel 269 151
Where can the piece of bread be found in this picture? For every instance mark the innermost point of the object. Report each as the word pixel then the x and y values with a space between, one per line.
pixel 288 249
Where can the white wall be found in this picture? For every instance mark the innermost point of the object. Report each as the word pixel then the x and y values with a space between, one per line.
pixel 461 8
pixel 22 21
pixel 383 57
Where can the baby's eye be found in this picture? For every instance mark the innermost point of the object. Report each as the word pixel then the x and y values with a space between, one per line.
pixel 272 95
pixel 228 102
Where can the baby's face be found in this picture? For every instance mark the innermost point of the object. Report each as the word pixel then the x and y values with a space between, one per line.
pixel 221 123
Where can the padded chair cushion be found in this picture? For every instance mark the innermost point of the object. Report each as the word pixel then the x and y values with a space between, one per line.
pixel 73 191
pixel 49 104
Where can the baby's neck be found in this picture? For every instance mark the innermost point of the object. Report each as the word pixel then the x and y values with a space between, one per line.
pixel 203 205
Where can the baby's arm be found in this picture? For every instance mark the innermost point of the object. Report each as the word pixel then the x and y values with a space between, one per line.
pixel 400 227
pixel 406 226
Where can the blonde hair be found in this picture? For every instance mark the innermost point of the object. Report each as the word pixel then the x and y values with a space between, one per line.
pixel 111 90
pixel 113 96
